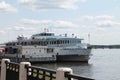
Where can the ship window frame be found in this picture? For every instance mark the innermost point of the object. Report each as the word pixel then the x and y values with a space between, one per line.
pixel 68 41
pixel 25 43
pixel 39 50
pixel 79 41
pixel 49 50
pixel 39 43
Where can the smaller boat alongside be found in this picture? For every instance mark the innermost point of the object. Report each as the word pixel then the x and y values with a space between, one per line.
pixel 47 47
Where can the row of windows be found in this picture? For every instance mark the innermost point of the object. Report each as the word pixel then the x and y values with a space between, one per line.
pixel 45 42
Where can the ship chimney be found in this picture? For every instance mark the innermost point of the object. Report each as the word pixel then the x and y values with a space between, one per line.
pixel 72 35
pixel 45 30
pixel 65 34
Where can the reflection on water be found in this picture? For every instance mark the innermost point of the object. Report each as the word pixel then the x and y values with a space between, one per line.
pixel 104 64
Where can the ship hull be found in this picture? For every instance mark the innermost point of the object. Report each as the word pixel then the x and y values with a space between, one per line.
pixel 72 58
pixel 32 54
pixel 79 56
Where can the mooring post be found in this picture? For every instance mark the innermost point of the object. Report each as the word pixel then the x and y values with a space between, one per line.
pixel 3 69
pixel 60 74
pixel 23 70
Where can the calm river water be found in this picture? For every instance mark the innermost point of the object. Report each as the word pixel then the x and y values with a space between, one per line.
pixel 104 64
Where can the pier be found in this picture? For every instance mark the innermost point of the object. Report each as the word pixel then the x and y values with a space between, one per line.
pixel 33 60
pixel 25 71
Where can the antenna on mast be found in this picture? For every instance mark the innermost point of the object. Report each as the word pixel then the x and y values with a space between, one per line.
pixel 89 38
pixel 46 30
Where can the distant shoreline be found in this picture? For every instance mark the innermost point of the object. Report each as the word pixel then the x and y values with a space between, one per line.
pixel 105 46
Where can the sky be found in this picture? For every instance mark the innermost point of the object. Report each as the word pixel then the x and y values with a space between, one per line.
pixel 97 21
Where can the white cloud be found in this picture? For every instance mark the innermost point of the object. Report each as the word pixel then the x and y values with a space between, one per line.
pixel 83 0
pixel 107 23
pixel 99 17
pixel 100 21
pixel 22 28
pixel 50 23
pixel 51 4
pixel 2 32
pixel 35 22
pixel 7 7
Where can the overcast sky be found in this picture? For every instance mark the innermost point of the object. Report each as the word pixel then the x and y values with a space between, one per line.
pixel 98 18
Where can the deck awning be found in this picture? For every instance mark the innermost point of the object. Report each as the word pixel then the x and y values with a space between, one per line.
pixel 2 48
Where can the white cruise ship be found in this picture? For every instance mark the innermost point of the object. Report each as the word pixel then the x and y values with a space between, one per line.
pixel 46 45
